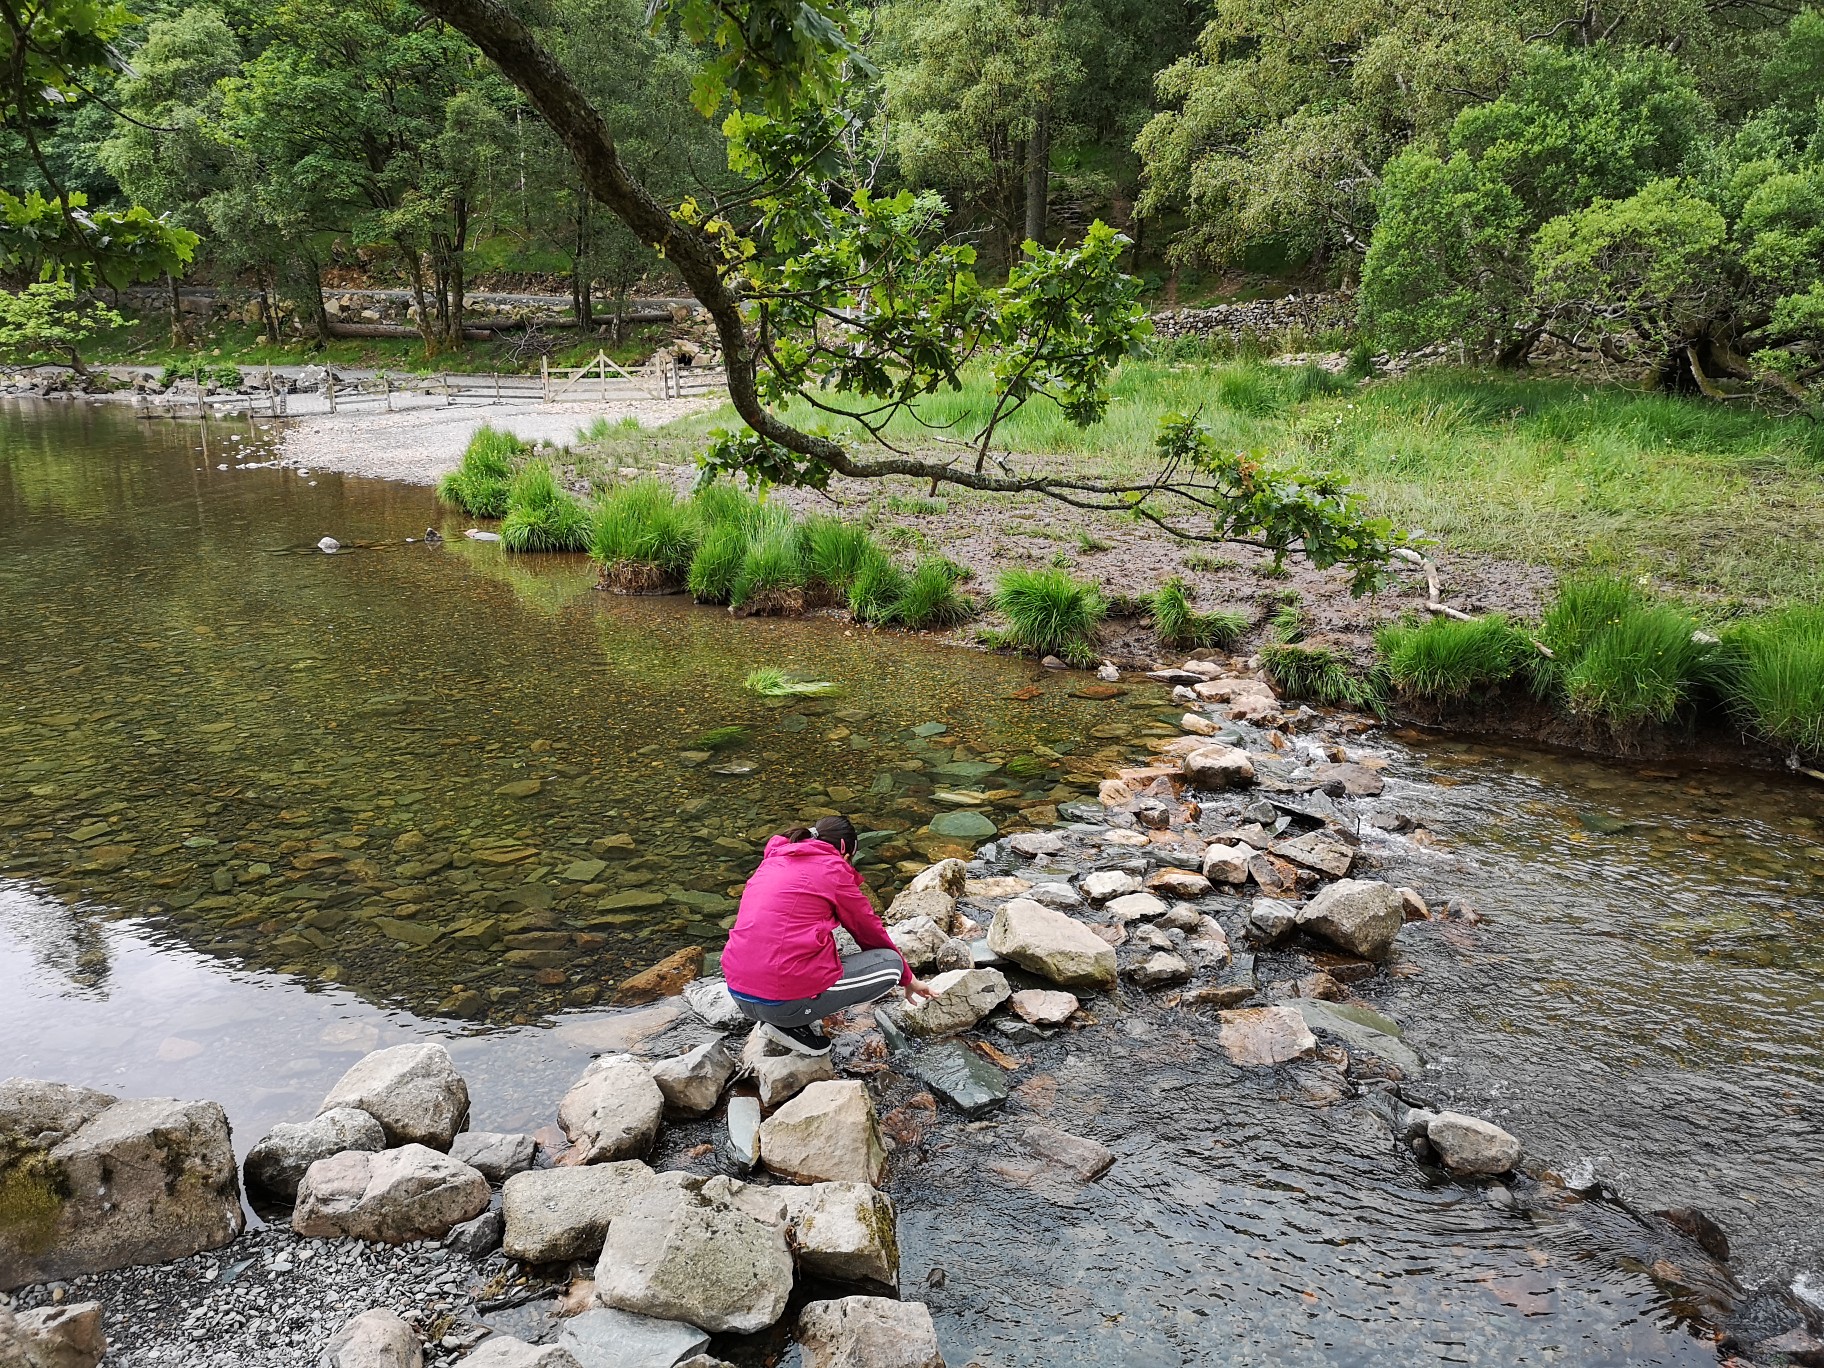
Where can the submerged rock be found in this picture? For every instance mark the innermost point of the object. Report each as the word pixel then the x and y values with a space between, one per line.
pixel 1034 844
pixel 827 1133
pixel 1052 945
pixel 92 1183
pixel 274 1167
pixel 1266 1035
pixel 1085 1159
pixel 604 1337
pixel 868 1332
pixel 960 1076
pixel 373 1339
pixel 396 1196
pixel 413 1091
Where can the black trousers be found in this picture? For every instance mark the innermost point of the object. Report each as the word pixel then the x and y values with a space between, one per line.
pixel 866 976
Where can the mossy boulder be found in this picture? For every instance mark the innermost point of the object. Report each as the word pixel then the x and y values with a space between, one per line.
pixel 89 1182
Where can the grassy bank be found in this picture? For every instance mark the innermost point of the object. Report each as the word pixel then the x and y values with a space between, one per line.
pixel 1719 502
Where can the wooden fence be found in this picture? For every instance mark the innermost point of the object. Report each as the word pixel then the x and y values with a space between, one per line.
pixel 602 379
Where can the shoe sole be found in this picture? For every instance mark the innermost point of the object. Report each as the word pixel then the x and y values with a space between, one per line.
pixel 779 1037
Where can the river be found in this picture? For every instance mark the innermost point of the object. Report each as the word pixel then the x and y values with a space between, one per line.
pixel 263 808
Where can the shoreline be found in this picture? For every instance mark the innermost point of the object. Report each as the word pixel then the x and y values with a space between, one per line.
pixel 1112 867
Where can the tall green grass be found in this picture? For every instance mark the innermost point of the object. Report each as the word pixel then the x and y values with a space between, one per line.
pixel 643 536
pixel 542 515
pixel 482 483
pixel 773 564
pixel 1320 674
pixel 833 552
pixel 1049 613
pixel 1775 677
pixel 930 597
pixel 1645 667
pixel 877 590
pixel 1178 624
pixel 1450 660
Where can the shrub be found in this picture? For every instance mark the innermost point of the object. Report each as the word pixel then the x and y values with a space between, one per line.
pixel 773 683
pixel 930 597
pixel 1449 659
pixel 1179 625
pixel 481 484
pixel 1776 682
pixel 878 589
pixel 1320 674
pixel 643 536
pixel 1643 667
pixel 1049 613
pixel 833 551
pixel 542 515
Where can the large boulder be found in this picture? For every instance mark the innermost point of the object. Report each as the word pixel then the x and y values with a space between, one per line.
pixel 68 1336
pixel 1471 1147
pixel 413 1091
pixel 844 1230
pixel 612 1111
pixel 868 1332
pixel 396 1196
pixel 274 1167
pixel 959 1000
pixel 826 1134
pixel 564 1213
pixel 1051 945
pixel 692 1083
pixel 1219 767
pixel 1361 916
pixel 373 1339
pixel 89 1182
pixel 495 1156
pixel 681 1253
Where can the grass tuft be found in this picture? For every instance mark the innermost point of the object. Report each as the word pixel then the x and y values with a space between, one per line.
pixel 930 597
pixel 482 483
pixel 772 569
pixel 834 552
pixel 1178 624
pixel 1776 677
pixel 643 536
pixel 1320 674
pixel 1049 613
pixel 1447 659
pixel 542 515
pixel 877 590
pixel 1643 668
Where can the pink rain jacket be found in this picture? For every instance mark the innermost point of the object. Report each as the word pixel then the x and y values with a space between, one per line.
pixel 783 946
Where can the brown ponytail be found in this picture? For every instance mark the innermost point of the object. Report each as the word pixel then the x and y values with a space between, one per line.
pixel 838 831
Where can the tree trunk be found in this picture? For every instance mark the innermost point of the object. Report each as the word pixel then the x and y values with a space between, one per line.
pixel 319 315
pixel 180 335
pixel 458 277
pixel 1513 353
pixel 1038 173
pixel 582 305
pixel 427 329
pixel 269 299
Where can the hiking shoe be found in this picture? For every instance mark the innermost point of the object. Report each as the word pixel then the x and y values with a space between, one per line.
pixel 804 1040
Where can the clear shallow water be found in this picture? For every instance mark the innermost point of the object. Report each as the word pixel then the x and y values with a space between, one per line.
pixel 258 813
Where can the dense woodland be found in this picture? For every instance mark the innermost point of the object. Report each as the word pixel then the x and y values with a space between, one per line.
pixel 1628 179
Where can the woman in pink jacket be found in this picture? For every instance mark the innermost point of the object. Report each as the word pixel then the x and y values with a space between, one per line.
pixel 781 962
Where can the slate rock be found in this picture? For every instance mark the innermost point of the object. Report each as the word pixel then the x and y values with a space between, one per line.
pixel 605 1337
pixel 478 1238
pixel 960 1076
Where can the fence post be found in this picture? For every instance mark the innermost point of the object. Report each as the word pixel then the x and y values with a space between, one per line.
pixel 601 365
pixel 496 387
pixel 387 380
pixel 677 380
pixel 329 386
pixel 544 378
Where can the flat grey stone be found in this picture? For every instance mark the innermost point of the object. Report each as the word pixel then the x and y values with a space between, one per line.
pixel 961 1077
pixel 610 1338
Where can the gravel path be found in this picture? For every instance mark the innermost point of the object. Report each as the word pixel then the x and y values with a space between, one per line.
pixel 419 445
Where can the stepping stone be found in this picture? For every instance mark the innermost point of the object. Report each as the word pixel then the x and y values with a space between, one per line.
pixel 961 1077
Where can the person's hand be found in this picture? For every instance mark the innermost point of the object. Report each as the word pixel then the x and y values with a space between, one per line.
pixel 916 992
